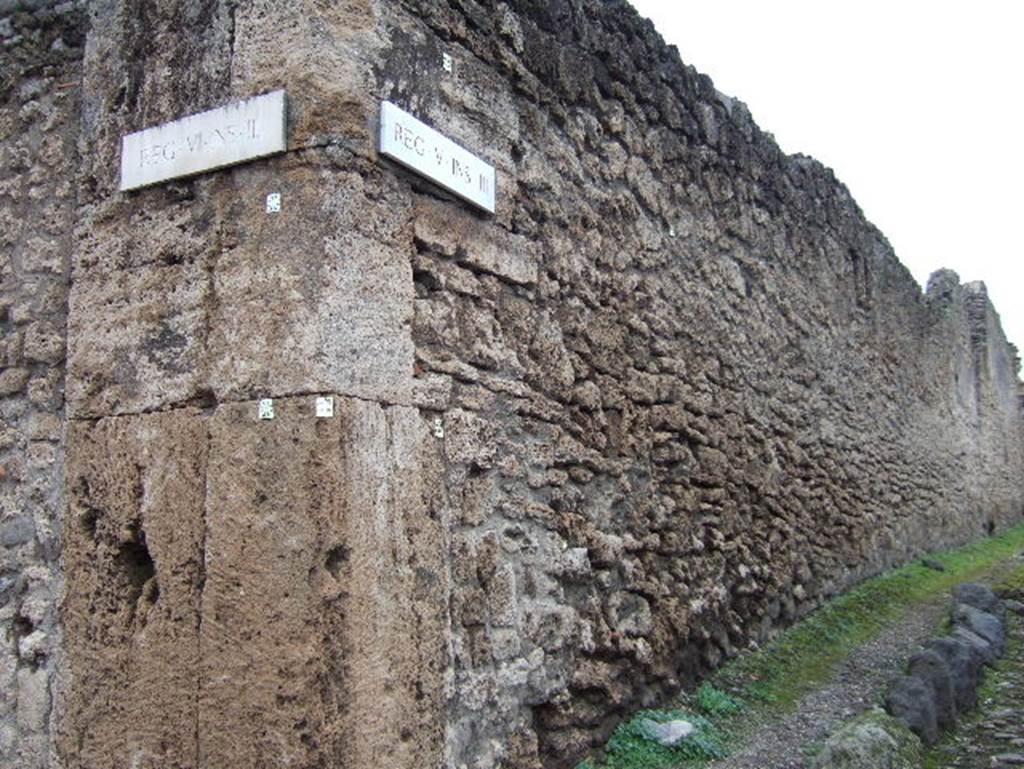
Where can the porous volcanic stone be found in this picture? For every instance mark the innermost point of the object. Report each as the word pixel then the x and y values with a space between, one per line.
pixel 912 701
pixel 980 597
pixel 965 663
pixel 976 642
pixel 986 625
pixel 930 666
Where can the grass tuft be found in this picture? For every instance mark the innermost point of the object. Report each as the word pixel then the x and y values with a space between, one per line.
pixel 630 748
pixel 1011 585
pixel 714 702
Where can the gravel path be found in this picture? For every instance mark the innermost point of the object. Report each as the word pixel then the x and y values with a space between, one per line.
pixel 854 687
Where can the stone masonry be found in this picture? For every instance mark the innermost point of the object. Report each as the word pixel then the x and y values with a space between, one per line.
pixel 671 396
pixel 40 78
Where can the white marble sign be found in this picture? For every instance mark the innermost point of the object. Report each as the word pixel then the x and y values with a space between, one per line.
pixel 219 137
pixel 425 151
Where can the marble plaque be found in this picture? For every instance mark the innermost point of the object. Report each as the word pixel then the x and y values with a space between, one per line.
pixel 231 134
pixel 427 152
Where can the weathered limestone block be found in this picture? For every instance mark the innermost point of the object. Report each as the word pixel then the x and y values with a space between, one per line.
pixel 325 52
pixel 456 233
pixel 324 604
pixel 135 565
pixel 297 301
pixel 248 592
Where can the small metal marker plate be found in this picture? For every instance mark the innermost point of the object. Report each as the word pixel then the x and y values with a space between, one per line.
pixel 325 407
pixel 419 147
pixel 266 408
pixel 274 203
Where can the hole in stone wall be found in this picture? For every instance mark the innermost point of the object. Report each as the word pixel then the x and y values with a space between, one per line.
pixel 151 591
pixel 137 566
pixel 22 627
pixel 90 518
pixel 205 398
pixel 337 557
pixel 427 280
pixel 990 527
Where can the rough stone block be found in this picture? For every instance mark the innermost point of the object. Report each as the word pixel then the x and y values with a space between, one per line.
pixel 135 565
pixel 302 302
pixel 873 740
pixel 979 645
pixel 339 323
pixel 13 381
pixel 43 343
pixel 136 339
pixel 965 665
pixel 980 597
pixel 931 667
pixel 983 624
pixel 484 246
pixel 270 589
pixel 332 68
pixel 912 701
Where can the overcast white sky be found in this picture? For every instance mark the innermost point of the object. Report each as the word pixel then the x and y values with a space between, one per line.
pixel 916 106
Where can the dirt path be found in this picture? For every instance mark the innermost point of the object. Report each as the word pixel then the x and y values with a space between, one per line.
pixel 785 742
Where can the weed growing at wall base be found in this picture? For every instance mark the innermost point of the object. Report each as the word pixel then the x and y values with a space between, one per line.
pixel 713 701
pixel 631 748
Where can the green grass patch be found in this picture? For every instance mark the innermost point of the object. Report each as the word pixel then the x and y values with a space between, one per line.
pixel 714 702
pixel 630 746
pixel 1011 585
pixel 804 655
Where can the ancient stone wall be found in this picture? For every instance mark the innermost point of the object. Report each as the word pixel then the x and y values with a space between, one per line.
pixel 674 393
pixel 40 69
